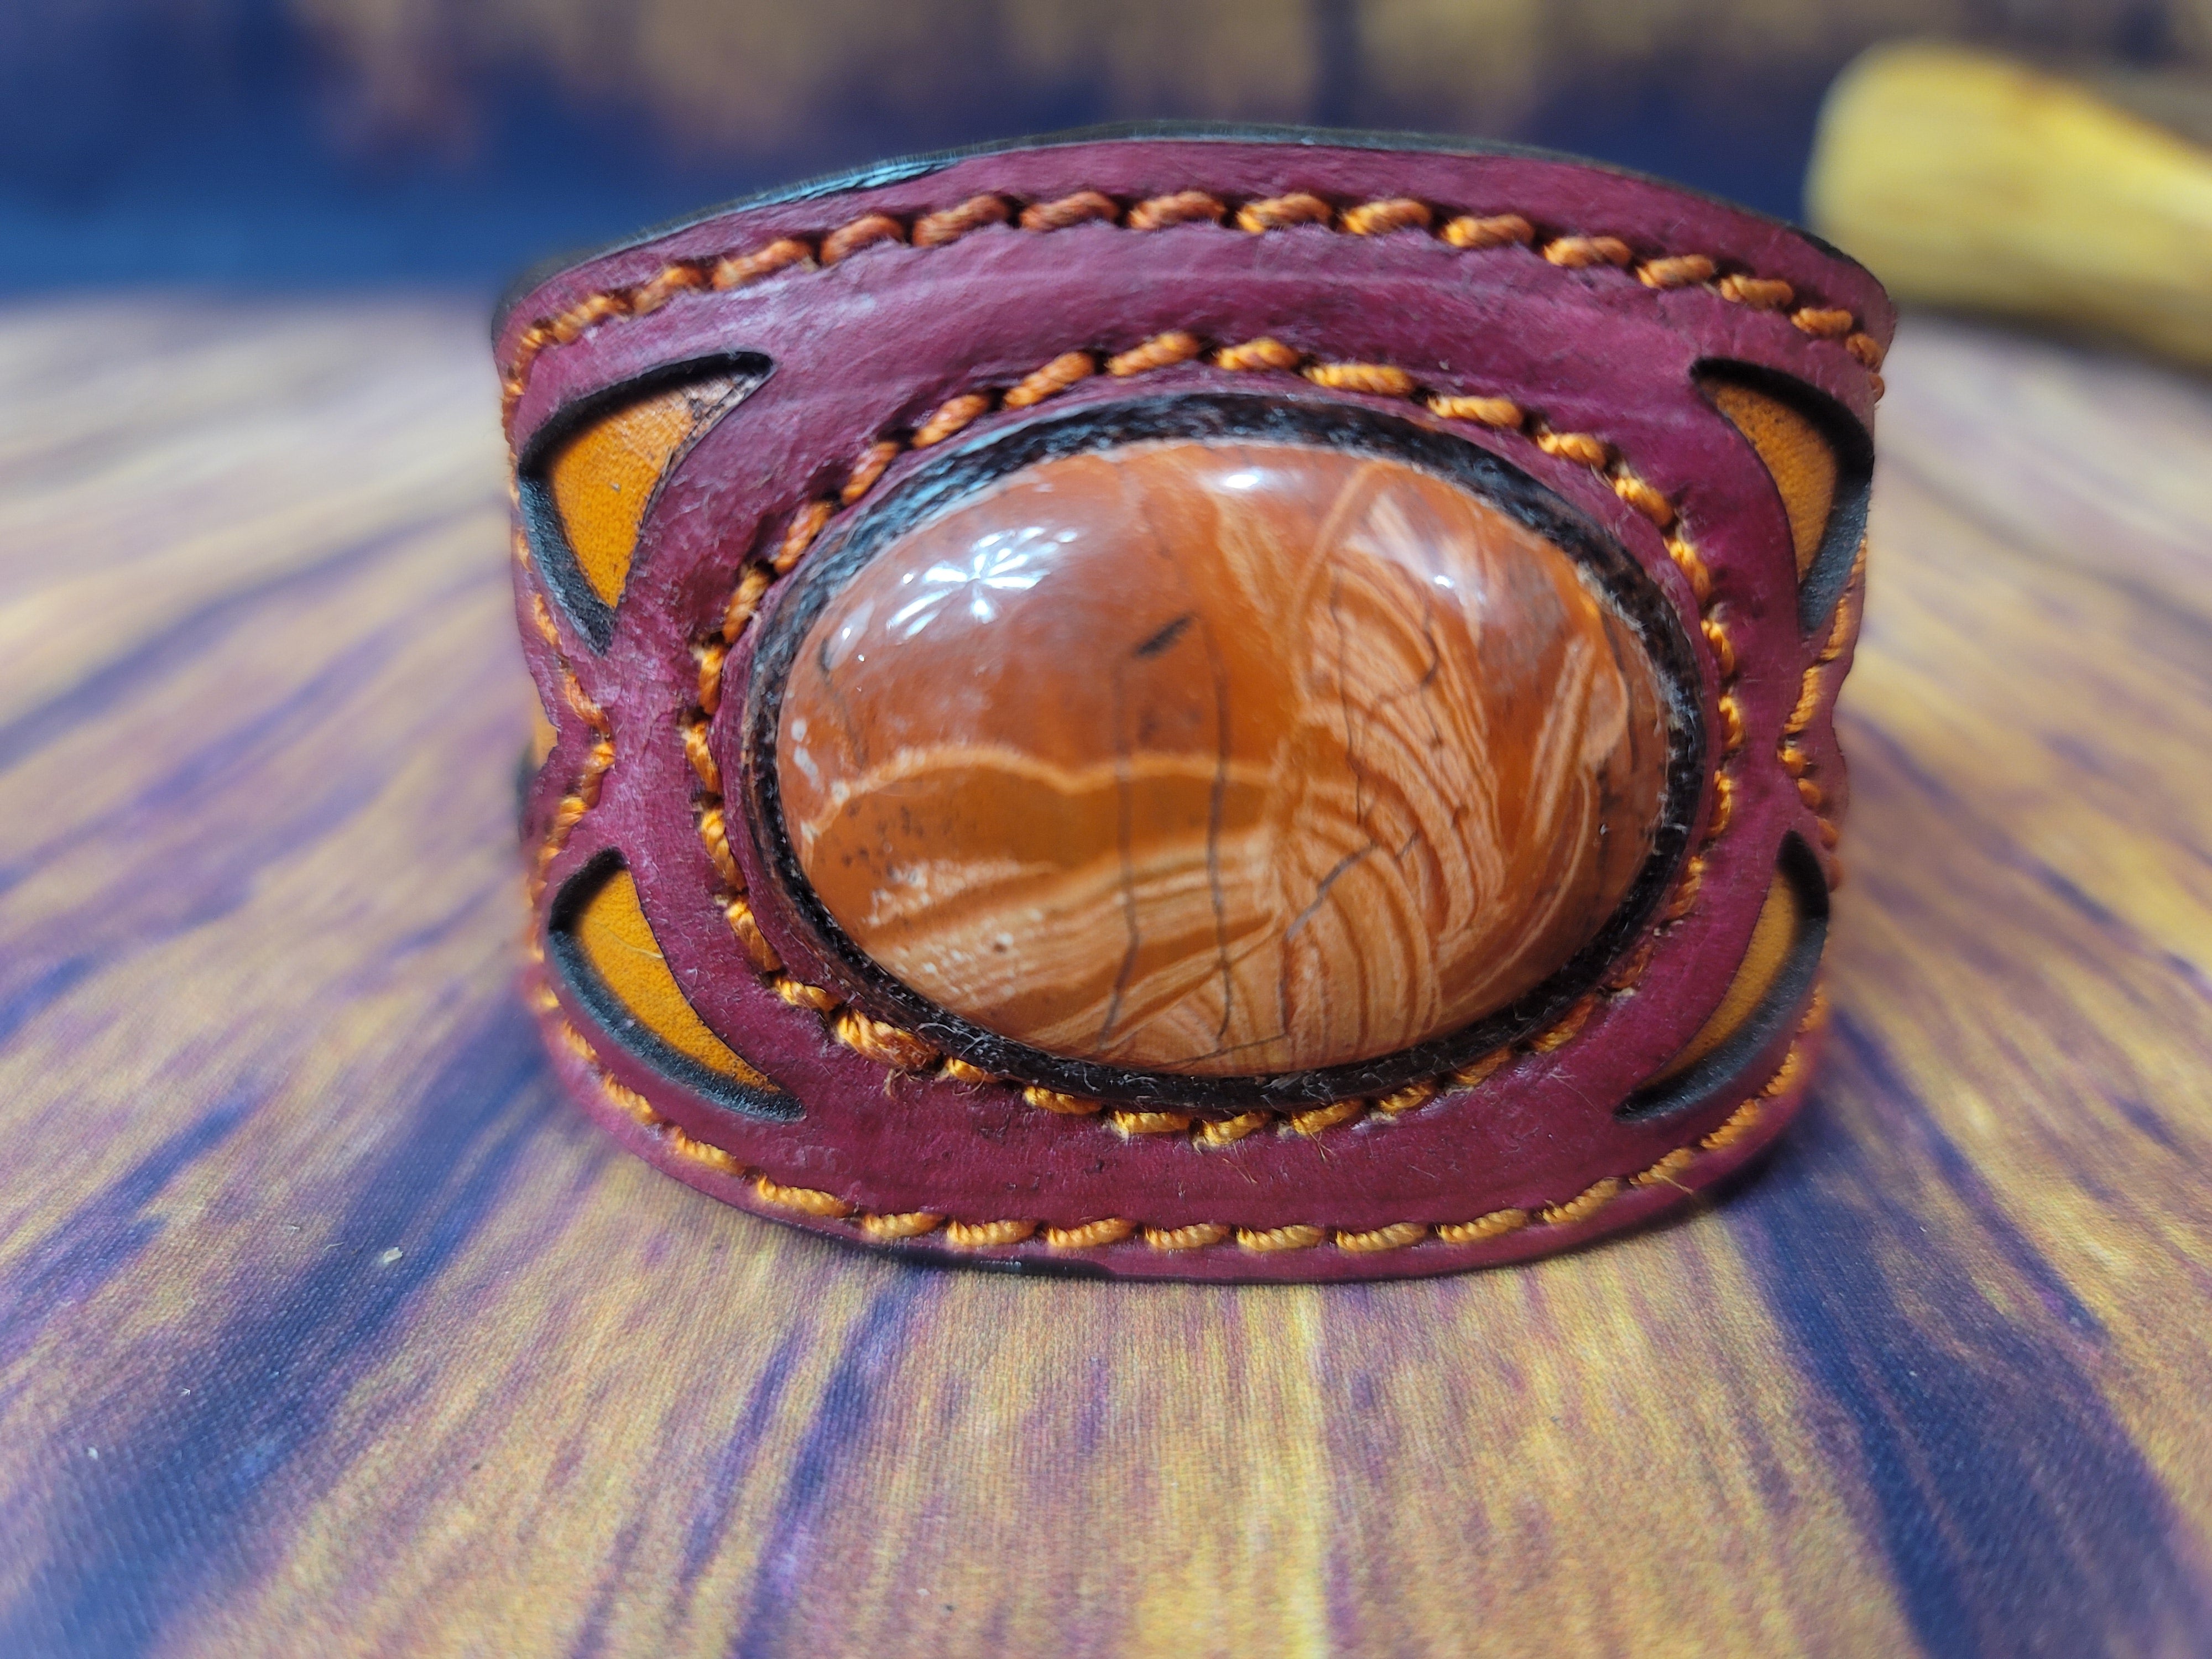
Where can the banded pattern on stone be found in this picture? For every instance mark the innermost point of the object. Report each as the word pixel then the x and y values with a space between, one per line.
pixel 1221 758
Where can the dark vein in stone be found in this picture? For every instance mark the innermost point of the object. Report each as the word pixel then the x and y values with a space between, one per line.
pixel 1215 802
pixel 1166 637
pixel 1320 892
pixel 1125 830
pixel 1125 803
pixel 1241 949
pixel 1424 687
pixel 1344 698
pixel 1237 1048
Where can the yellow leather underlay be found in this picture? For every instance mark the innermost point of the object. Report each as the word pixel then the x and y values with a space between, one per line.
pixel 1798 458
pixel 542 735
pixel 1772 936
pixel 618 943
pixel 603 478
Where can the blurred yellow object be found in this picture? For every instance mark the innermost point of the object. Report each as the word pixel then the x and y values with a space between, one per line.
pixel 1964 180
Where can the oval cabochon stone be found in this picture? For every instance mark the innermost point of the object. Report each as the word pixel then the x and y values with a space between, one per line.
pixel 1221 758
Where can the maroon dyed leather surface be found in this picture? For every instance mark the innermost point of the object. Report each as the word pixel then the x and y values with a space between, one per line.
pixel 1134 1259
pixel 876 342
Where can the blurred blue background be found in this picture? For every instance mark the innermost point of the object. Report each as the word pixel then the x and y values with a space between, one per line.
pixel 276 142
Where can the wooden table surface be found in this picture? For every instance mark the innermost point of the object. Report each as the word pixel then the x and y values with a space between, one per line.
pixel 327 1326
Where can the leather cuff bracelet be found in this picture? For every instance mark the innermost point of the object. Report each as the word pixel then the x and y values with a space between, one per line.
pixel 1203 703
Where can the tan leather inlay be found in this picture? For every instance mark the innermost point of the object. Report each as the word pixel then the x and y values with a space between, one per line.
pixel 618 943
pixel 542 735
pixel 1222 759
pixel 1798 456
pixel 1772 936
pixel 604 477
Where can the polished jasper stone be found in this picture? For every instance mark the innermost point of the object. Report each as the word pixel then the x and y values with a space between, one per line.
pixel 1224 758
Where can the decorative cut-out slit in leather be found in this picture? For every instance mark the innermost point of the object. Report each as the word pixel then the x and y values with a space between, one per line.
pixel 587 487
pixel 606 949
pixel 1769 990
pixel 1821 462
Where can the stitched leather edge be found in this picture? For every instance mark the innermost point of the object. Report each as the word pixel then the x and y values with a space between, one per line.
pixel 1473 233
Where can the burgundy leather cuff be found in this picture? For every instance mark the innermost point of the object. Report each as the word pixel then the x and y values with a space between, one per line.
pixel 1203 704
